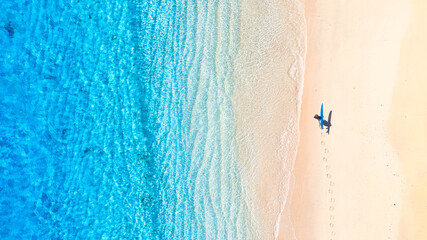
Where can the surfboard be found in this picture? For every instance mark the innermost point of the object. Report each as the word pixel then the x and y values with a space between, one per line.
pixel 321 116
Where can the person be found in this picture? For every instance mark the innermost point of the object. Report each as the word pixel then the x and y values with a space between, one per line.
pixel 318 118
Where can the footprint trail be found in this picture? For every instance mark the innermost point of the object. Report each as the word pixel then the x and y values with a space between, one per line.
pixel 331 185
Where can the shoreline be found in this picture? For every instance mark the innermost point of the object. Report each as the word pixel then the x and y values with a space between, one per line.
pixel 268 74
pixel 348 184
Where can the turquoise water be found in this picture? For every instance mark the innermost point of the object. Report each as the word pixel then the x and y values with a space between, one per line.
pixel 116 120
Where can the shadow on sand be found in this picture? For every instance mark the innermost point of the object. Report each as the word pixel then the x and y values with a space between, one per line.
pixel 328 123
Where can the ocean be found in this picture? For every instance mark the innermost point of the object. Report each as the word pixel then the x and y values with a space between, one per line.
pixel 118 121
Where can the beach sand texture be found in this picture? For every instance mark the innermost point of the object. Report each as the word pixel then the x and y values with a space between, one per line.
pixel 367 178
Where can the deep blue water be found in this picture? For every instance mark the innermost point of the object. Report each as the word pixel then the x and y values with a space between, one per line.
pixel 112 118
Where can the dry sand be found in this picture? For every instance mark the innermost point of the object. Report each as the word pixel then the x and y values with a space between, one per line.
pixel 408 124
pixel 367 178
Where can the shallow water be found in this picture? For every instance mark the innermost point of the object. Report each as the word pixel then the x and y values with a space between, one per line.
pixel 116 121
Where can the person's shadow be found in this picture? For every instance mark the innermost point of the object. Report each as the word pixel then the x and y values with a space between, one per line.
pixel 328 124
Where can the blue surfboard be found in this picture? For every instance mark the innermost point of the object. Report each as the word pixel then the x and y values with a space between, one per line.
pixel 321 116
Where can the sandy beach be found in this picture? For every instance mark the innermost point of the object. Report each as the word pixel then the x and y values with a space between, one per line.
pixel 366 178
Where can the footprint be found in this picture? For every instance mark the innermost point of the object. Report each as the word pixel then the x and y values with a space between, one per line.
pixel 322 134
pixel 331 184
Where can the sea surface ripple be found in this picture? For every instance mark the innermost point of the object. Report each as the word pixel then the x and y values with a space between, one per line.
pixel 116 120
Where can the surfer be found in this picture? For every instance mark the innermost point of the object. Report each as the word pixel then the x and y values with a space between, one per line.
pixel 318 119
